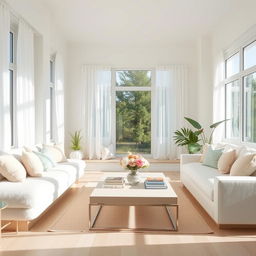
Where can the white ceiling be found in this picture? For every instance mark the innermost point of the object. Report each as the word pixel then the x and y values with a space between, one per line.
pixel 139 22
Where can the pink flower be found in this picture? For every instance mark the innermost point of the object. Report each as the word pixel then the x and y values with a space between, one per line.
pixel 139 163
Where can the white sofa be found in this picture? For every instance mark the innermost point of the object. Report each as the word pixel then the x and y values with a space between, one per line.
pixel 229 200
pixel 29 199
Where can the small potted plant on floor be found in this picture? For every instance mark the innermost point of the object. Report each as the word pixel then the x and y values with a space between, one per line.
pixel 76 146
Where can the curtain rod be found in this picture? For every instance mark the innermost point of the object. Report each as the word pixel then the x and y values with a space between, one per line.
pixel 18 17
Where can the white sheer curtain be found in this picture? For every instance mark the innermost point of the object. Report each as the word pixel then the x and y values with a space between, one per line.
pixel 219 97
pixel 58 113
pixel 97 81
pixel 5 127
pixel 25 122
pixel 169 107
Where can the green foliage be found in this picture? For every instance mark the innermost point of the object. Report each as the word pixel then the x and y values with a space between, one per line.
pixel 76 140
pixel 185 136
pixel 218 123
pixel 194 123
pixel 188 137
pixel 133 108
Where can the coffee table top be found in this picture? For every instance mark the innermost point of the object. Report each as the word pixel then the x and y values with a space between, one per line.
pixel 133 195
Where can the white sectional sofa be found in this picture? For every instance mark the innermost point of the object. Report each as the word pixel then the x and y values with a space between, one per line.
pixel 29 199
pixel 229 200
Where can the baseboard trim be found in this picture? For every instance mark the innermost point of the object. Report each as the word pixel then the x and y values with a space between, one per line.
pixel 237 226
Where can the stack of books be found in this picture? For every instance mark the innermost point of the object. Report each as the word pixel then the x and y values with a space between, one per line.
pixel 114 182
pixel 155 183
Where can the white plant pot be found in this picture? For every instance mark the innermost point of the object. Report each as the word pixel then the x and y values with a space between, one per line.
pixel 77 154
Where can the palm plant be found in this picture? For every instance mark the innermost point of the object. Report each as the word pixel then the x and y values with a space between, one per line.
pixel 198 126
pixel 76 140
pixel 191 139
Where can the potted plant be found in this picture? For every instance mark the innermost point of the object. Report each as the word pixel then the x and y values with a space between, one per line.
pixel 76 146
pixel 191 139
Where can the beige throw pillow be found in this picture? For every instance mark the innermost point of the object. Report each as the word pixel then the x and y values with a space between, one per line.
pixel 12 169
pixel 226 161
pixel 55 152
pixel 32 164
pixel 245 165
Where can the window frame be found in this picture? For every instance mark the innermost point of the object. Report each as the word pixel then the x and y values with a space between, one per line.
pixel 239 48
pixel 51 95
pixel 115 89
pixel 13 83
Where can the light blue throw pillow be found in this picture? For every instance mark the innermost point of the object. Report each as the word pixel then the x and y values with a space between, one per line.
pixel 46 161
pixel 212 157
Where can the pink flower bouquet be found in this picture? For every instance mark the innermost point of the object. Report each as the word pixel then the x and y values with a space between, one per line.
pixel 134 162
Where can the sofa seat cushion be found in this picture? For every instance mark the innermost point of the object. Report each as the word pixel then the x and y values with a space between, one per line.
pixel 37 191
pixel 202 176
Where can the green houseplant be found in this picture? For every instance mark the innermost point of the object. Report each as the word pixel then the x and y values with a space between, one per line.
pixel 76 139
pixel 194 140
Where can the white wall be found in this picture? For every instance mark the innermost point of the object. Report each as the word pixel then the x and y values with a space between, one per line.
pixel 48 41
pixel 205 82
pixel 122 57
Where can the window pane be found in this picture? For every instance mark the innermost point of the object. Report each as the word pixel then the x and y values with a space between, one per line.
pixel 11 47
pixel 11 106
pixel 250 107
pixel 133 122
pixel 250 55
pixel 51 113
pixel 137 78
pixel 232 109
pixel 51 71
pixel 232 65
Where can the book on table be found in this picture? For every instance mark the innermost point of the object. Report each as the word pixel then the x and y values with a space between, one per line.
pixel 155 179
pixel 155 183
pixel 114 182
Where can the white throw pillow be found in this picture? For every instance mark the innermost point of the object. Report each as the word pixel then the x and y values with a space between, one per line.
pixel 245 165
pixel 55 152
pixel 226 161
pixel 32 164
pixel 205 149
pixel 12 169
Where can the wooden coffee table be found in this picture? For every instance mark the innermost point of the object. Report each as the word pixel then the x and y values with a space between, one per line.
pixel 134 196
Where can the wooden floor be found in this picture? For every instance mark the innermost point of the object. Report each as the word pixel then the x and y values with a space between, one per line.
pixel 222 242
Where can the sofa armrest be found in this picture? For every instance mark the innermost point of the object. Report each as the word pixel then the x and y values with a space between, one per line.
pixel 189 158
pixel 235 199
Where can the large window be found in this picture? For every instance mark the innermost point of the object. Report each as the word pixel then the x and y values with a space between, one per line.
pixel 49 104
pixel 12 74
pixel 132 90
pixel 232 109
pixel 240 70
pixel 250 107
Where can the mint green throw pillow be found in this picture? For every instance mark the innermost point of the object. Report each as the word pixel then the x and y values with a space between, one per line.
pixel 212 157
pixel 46 161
